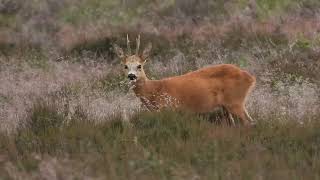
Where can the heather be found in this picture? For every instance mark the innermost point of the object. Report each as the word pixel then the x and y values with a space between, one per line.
pixel 67 112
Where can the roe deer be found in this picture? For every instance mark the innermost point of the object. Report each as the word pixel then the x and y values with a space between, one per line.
pixel 200 91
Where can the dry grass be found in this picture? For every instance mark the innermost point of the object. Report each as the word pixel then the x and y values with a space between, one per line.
pixel 69 59
pixel 56 58
pixel 22 86
pixel 169 145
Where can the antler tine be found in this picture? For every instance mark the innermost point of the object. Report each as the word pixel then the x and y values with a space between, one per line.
pixel 128 45
pixel 138 45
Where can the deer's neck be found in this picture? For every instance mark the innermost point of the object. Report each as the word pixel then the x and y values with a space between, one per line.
pixel 145 88
pixel 140 86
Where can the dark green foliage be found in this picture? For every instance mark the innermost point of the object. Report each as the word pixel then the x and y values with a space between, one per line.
pixel 101 47
pixel 44 118
pixel 6 48
pixel 168 126
pixel 196 10
pixel 112 81
pixel 240 37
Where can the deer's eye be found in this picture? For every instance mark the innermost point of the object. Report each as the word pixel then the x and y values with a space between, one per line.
pixel 126 67
pixel 139 66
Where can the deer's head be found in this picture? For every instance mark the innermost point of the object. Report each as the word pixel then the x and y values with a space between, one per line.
pixel 133 63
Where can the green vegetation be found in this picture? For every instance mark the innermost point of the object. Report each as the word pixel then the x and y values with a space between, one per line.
pixel 166 145
pixel 270 7
pixel 112 81
pixel 67 111
pixel 112 12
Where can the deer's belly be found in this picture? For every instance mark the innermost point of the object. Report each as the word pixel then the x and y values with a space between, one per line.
pixel 199 103
pixel 196 102
pixel 194 96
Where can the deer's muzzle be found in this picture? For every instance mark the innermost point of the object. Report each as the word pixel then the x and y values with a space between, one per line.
pixel 132 76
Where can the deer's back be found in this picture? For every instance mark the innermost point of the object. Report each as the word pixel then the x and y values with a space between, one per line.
pixel 223 75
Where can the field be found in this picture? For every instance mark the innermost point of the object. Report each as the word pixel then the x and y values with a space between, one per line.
pixel 67 111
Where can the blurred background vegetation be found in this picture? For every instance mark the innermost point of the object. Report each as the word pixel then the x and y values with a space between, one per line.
pixel 63 97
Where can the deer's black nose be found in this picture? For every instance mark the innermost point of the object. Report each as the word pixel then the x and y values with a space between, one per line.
pixel 132 76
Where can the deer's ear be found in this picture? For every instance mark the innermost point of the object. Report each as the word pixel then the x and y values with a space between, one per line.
pixel 118 51
pixel 146 52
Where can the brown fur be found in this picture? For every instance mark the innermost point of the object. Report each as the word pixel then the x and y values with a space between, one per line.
pixel 199 91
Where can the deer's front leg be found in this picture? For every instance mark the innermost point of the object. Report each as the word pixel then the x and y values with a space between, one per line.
pixel 146 103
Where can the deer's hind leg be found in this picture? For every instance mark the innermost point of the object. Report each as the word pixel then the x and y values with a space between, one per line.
pixel 241 112
pixel 252 122
pixel 230 119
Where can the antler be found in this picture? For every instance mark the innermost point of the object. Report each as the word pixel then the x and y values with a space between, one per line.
pixel 138 45
pixel 128 45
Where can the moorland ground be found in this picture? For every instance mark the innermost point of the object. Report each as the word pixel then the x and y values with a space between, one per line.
pixel 67 112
